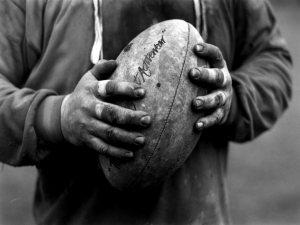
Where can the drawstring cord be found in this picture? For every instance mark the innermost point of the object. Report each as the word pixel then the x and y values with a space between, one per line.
pixel 97 50
pixel 197 14
pixel 203 29
pixel 200 15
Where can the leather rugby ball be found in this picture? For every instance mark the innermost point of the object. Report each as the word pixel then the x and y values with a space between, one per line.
pixel 159 59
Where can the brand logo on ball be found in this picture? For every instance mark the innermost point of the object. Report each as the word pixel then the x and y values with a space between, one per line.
pixel 144 71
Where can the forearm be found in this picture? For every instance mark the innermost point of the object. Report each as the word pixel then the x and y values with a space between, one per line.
pixel 261 71
pixel 18 136
pixel 262 91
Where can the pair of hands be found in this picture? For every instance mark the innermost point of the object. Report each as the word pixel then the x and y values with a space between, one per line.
pixel 88 118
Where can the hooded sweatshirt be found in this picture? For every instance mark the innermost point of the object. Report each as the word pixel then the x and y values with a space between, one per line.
pixel 45 48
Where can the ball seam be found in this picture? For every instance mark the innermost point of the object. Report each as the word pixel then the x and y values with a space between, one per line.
pixel 167 118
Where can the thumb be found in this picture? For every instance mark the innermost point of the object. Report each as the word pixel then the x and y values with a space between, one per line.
pixel 104 69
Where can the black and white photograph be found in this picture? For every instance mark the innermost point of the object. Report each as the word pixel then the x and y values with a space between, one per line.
pixel 149 112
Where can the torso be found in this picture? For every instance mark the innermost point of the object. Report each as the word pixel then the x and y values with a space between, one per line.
pixel 124 19
pixel 71 190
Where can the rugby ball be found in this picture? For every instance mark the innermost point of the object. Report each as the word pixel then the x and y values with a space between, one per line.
pixel 159 60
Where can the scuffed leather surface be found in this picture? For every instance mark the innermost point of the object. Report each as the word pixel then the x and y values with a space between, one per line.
pixel 171 138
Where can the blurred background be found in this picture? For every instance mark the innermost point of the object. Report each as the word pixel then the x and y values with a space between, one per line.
pixel 263 177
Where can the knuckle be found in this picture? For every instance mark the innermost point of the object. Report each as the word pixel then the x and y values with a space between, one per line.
pixel 114 118
pixel 224 98
pixel 99 109
pixel 96 88
pixel 219 116
pixel 110 133
pixel 82 139
pixel 111 114
pixel 218 119
pixel 220 99
pixel 91 87
pixel 217 57
pixel 81 124
pixel 219 77
pixel 111 87
pixel 104 149
pixel 85 107
pixel 97 144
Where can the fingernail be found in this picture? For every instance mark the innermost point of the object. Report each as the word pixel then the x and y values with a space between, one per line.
pixel 198 103
pixel 140 140
pixel 146 120
pixel 199 48
pixel 200 126
pixel 112 62
pixel 194 72
pixel 128 154
pixel 140 92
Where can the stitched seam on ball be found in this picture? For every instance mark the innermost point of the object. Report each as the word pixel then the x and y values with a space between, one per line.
pixel 170 109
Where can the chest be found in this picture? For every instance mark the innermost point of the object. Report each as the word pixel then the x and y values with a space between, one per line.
pixel 124 19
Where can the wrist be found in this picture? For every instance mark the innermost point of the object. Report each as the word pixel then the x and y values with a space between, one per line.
pixel 48 119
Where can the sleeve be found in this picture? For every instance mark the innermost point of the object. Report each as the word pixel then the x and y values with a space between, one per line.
pixel 261 71
pixel 19 106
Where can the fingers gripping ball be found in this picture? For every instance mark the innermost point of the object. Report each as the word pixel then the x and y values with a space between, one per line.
pixel 159 60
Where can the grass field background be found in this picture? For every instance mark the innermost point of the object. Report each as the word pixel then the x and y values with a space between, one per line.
pixel 264 175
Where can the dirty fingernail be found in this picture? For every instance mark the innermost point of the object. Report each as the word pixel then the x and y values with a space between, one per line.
pixel 140 92
pixel 199 125
pixel 194 72
pixel 146 120
pixel 140 140
pixel 128 154
pixel 198 103
pixel 199 48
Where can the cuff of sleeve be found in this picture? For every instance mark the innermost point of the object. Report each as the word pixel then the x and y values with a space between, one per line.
pixel 48 124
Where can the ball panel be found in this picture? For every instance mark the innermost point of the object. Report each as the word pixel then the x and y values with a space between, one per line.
pixel 158 59
pixel 178 139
